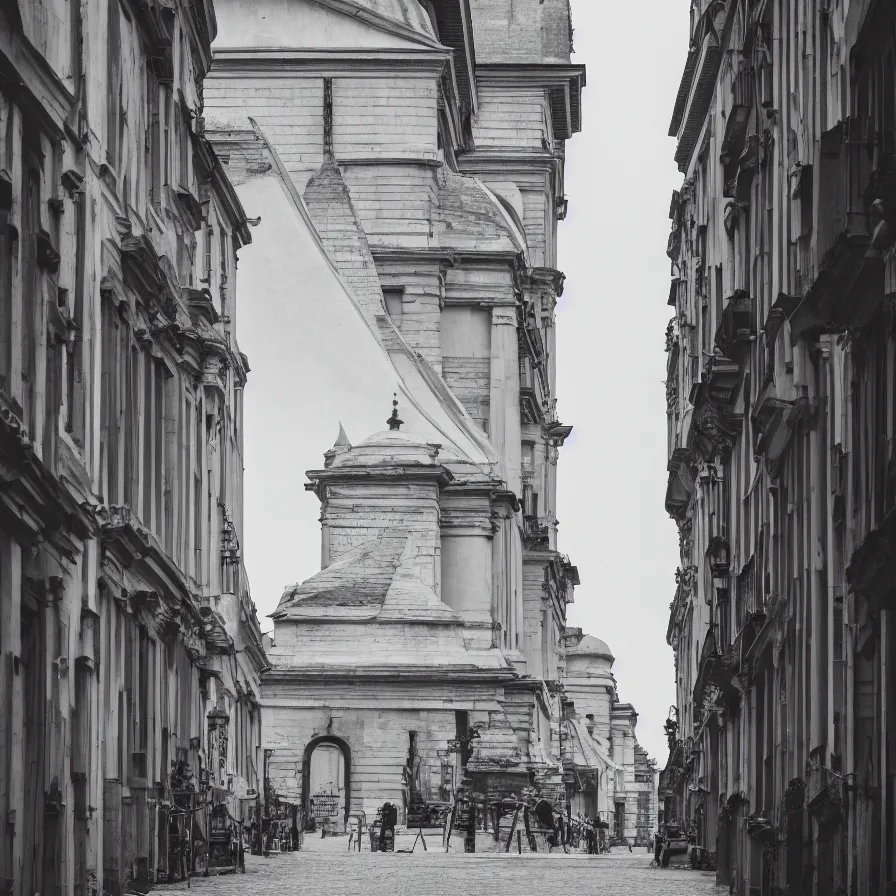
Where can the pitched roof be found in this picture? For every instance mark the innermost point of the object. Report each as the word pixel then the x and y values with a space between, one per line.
pixel 378 580
pixel 354 587
pixel 587 752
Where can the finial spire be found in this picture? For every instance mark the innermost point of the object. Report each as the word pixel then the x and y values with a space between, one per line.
pixel 393 421
pixel 342 439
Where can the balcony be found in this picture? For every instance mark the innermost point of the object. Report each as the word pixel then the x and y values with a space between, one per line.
pixel 701 90
pixel 716 670
pixel 774 421
pixel 713 425
pixel 737 330
pixel 872 569
pixel 849 283
pixel 535 530
pixel 680 486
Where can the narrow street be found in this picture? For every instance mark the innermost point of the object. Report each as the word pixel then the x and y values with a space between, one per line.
pixel 327 868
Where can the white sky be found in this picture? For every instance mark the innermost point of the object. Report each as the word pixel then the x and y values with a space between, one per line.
pixel 620 175
pixel 611 367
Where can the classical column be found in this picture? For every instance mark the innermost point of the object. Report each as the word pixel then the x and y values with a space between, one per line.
pixel 504 423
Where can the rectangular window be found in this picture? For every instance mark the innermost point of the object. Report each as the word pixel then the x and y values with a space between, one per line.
pixel 149 466
pixel 159 465
pixel 198 446
pixel 224 259
pixel 154 171
pixel 132 451
pixel 7 247
pixel 113 85
pixel 528 457
pixel 209 239
pixel 182 135
pixel 394 298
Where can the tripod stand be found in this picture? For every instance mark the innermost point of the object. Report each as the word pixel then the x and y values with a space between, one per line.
pixel 421 838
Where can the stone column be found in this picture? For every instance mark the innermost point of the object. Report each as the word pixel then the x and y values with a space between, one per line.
pixel 467 561
pixel 504 423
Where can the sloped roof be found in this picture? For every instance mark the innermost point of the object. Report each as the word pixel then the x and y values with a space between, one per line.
pixel 378 580
pixel 587 753
pixel 470 216
pixel 337 226
pixel 354 587
pixel 406 12
pixel 323 24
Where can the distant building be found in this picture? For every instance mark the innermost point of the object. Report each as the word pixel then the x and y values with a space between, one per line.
pixel 782 446
pixel 614 778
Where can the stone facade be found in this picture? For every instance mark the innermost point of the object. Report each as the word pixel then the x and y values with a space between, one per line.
pixel 130 653
pixel 409 178
pixel 781 437
pixel 615 781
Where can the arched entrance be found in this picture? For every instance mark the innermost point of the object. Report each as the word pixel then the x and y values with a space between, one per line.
pixel 326 780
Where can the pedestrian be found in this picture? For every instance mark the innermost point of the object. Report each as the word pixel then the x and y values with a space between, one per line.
pixel 628 843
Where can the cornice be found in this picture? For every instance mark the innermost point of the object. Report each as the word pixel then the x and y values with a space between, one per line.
pixel 449 256
pixel 511 74
pixel 234 62
pixel 387 674
pixel 396 473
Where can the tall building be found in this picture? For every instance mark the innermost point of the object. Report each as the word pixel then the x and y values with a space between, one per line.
pixel 781 445
pixel 406 160
pixel 130 653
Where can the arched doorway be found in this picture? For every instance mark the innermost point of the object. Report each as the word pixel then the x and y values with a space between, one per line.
pixel 326 779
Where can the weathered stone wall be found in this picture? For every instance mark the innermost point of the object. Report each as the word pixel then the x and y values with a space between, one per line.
pixel 374 720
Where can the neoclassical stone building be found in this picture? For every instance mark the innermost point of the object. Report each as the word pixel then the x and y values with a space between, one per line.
pixel 614 778
pixel 130 652
pixel 406 160
pixel 782 445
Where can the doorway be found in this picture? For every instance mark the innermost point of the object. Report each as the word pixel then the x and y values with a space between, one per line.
pixel 327 779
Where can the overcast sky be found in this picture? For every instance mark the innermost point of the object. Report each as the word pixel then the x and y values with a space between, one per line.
pixel 612 318
pixel 611 367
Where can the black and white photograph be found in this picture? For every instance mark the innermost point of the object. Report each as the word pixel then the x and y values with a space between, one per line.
pixel 448 446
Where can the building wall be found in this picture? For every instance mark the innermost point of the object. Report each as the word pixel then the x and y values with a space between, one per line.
pixel 779 397
pixel 123 600
pixel 374 722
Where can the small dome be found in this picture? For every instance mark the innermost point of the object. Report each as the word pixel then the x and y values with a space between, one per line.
pixel 591 646
pixel 393 437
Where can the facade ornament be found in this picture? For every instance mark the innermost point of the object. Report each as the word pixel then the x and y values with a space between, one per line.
pixel 394 422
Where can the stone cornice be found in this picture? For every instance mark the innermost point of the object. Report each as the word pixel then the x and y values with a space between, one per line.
pixel 447 255
pixel 388 673
pixel 397 473
pixel 239 63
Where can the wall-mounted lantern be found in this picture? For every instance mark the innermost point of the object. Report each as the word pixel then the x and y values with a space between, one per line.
pixel 719 555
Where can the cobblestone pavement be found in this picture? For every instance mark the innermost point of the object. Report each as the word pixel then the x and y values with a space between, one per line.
pixel 327 868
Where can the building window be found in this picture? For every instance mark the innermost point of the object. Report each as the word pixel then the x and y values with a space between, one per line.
pixel 394 299
pixel 114 117
pixel 528 457
pixel 209 240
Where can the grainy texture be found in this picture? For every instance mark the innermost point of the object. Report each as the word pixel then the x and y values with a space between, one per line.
pixel 782 445
pixel 327 868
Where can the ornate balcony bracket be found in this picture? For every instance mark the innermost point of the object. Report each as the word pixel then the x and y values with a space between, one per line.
pixel 737 329
pixel 872 569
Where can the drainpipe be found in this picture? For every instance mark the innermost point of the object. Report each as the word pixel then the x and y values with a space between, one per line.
pixel 827 373
pixel 818 591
